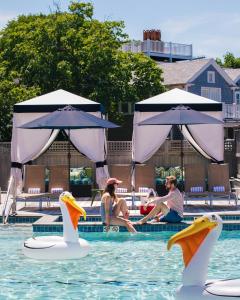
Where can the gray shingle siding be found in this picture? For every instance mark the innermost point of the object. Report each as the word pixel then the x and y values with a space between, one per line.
pixel 201 81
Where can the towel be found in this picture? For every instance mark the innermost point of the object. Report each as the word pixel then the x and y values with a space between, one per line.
pixel 219 188
pixel 196 189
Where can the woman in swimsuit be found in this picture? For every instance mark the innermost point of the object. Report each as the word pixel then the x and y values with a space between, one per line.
pixel 112 206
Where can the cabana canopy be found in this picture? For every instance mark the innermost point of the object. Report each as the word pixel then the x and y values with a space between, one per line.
pixel 207 139
pixel 28 144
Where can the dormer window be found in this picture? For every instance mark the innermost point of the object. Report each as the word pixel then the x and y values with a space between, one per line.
pixel 211 77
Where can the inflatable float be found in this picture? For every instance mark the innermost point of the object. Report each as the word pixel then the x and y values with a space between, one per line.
pixel 70 246
pixel 197 242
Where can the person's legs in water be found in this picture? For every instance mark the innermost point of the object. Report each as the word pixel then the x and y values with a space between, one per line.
pixel 121 206
pixel 160 207
pixel 122 222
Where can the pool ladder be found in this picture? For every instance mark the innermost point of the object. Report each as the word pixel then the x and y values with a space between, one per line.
pixel 7 205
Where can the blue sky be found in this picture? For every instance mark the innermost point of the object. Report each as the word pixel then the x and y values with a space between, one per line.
pixel 213 27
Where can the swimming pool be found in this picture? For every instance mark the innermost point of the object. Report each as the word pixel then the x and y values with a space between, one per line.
pixel 120 266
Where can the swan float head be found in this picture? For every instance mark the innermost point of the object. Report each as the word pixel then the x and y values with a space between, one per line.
pixel 71 212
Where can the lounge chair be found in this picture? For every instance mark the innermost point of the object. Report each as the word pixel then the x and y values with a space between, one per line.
pixel 34 185
pixel 145 177
pixel 195 184
pixel 218 182
pixel 34 179
pixel 58 179
pixel 123 173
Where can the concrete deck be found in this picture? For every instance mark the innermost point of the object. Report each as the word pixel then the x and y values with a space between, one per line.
pixel 196 207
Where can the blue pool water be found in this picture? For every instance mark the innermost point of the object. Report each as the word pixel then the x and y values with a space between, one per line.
pixel 119 266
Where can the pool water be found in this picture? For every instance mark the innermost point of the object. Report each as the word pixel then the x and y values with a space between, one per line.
pixel 119 266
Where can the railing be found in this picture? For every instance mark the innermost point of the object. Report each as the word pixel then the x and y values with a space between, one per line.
pixel 231 111
pixel 7 206
pixel 119 146
pixel 126 146
pixel 167 48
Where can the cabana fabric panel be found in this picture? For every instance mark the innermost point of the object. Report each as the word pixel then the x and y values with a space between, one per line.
pixel 206 139
pixel 28 144
pixel 209 138
pixel 147 139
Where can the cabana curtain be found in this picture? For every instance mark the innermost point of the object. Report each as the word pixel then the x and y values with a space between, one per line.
pixel 206 139
pixel 28 144
pixel 147 139
pixel 22 150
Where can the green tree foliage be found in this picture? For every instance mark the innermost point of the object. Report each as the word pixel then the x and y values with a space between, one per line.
pixel 10 93
pixel 229 61
pixel 72 51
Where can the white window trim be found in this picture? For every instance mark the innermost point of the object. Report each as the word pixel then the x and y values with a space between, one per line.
pixel 211 74
pixel 235 98
pixel 208 92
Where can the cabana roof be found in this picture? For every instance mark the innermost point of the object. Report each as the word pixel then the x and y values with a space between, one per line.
pixel 175 97
pixel 57 99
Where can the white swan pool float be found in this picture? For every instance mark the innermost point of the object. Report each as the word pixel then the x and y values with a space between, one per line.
pixel 197 242
pixel 70 246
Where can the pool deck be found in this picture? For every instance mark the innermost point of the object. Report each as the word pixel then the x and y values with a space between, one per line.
pixel 48 219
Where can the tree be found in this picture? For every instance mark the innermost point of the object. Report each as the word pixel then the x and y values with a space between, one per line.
pixel 10 93
pixel 229 61
pixel 72 51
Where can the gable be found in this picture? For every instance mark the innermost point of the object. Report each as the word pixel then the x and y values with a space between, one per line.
pixel 220 73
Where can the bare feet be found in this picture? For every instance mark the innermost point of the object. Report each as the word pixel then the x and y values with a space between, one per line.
pixel 140 222
pixel 156 219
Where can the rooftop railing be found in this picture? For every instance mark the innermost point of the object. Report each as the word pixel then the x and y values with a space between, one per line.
pixel 158 47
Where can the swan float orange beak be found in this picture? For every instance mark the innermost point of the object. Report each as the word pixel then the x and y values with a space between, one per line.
pixel 75 211
pixel 192 237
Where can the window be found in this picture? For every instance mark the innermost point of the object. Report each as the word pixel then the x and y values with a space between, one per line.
pixel 212 93
pixel 211 77
pixel 237 97
pixel 126 108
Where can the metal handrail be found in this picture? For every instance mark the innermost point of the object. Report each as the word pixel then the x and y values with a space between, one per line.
pixel 6 209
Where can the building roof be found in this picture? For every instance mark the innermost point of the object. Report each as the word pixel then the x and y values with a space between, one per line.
pixel 184 72
pixel 234 74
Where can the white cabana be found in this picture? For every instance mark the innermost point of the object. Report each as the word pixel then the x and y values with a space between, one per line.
pixel 28 144
pixel 207 139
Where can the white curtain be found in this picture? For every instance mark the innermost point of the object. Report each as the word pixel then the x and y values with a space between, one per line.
pixel 147 139
pixel 189 137
pixel 92 143
pixel 26 144
pixel 210 137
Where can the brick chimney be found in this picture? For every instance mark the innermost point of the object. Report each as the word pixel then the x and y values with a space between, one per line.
pixel 152 34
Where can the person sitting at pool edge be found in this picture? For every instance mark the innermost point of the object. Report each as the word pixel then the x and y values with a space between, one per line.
pixel 111 206
pixel 172 211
